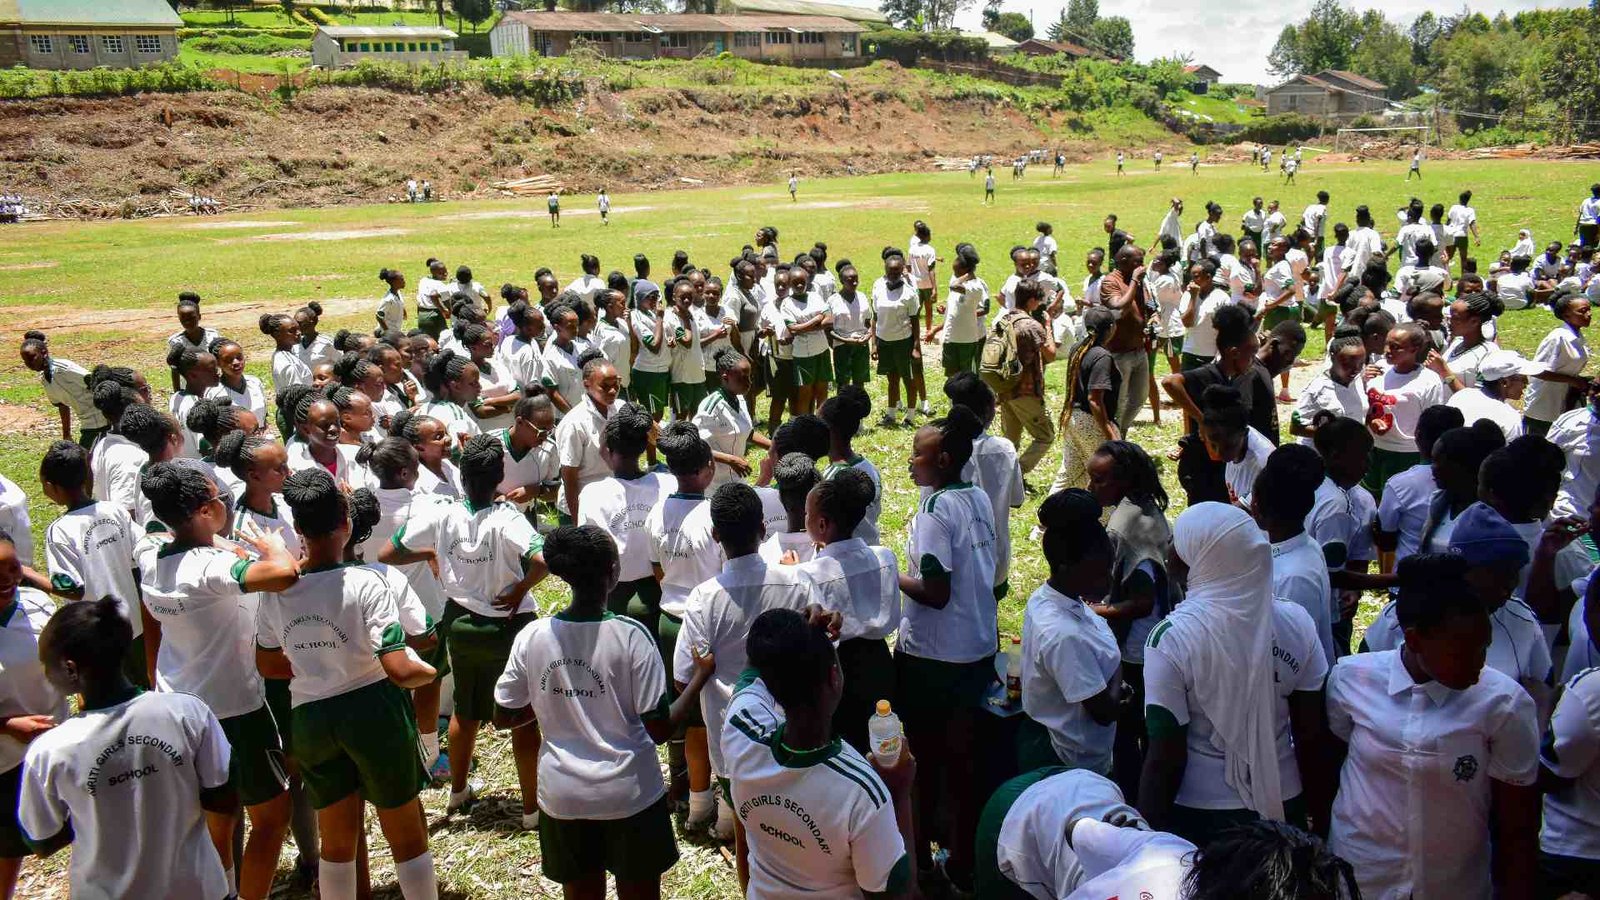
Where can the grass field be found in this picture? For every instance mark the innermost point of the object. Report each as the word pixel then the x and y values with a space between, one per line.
pixel 105 292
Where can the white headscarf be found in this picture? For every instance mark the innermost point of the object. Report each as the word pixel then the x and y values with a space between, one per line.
pixel 1223 629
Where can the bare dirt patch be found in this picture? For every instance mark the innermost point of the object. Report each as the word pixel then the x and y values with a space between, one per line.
pixel 23 267
pixel 220 226
pixel 347 235
pixel 15 419
pixel 232 319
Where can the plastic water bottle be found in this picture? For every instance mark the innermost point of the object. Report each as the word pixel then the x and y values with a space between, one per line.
pixel 883 730
pixel 1014 673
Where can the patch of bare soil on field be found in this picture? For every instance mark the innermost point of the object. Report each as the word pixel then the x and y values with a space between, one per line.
pixel 347 235
pixel 220 226
pixel 326 146
pixel 227 318
pixel 15 419
pixel 23 267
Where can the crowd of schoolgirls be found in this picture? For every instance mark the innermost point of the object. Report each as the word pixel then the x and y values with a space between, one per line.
pixel 266 597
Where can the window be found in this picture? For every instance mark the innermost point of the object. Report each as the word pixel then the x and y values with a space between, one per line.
pixel 147 43
pixel 41 43
pixel 434 46
pixel 675 40
pixel 365 47
pixel 595 37
pixel 112 43
pixel 78 43
pixel 633 37
pixel 809 37
pixel 847 44
pixel 746 39
pixel 780 37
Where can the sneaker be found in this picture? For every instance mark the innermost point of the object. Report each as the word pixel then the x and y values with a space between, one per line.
pixel 439 772
pixel 910 413
pixel 462 801
pixel 722 830
pixel 705 821
pixel 888 419
pixel 927 409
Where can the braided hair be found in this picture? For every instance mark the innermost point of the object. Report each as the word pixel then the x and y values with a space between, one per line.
pixel 845 498
pixel 444 368
pixel 213 418
pixel 236 451
pixel 1134 468
pixel 147 427
pixel 736 510
pixel 795 474
pixel 686 452
pixel 112 398
pixel 65 464
pixel 389 459
pixel 407 424
pixel 365 513
pixel 319 507
pixel 1267 860
pixel 627 431
pixel 845 411
pixel 957 431
pixel 353 368
pixel 175 492
pixel 483 465
pixel 581 555
pixel 1097 324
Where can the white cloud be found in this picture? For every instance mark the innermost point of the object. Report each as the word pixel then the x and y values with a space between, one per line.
pixel 1235 37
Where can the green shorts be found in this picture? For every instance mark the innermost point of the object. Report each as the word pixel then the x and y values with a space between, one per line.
pixel 255 767
pixel 431 321
pixel 1280 314
pixel 987 880
pixel 1166 346
pixel 780 378
pixel 639 600
pixel 1190 361
pixel 479 648
pixel 852 363
pixel 894 357
pixel 364 740
pixel 930 687
pixel 13 845
pixel 686 396
pixel 667 643
pixel 638 848
pixel 960 357
pixel 1383 465
pixel 89 436
pixel 651 390
pixel 809 370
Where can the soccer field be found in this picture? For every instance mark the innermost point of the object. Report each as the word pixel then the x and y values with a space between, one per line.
pixel 105 293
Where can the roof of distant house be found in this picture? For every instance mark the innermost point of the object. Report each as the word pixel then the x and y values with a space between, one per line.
pixel 89 12
pixel 387 31
pixel 1201 69
pixel 1067 47
pixel 810 8
pixel 995 40
pixel 566 22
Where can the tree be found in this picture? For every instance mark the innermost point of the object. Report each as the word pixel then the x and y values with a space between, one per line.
pixel 908 14
pixel 1013 25
pixel 1080 16
pixel 1325 40
pixel 1383 53
pixel 991 15
pixel 1424 31
pixel 1284 59
pixel 1113 36
pixel 474 11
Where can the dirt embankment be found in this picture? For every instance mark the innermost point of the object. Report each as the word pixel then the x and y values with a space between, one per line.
pixel 333 145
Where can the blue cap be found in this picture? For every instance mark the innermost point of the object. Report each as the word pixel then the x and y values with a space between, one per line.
pixel 1483 538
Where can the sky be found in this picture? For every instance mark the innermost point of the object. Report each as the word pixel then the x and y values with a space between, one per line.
pixel 1248 28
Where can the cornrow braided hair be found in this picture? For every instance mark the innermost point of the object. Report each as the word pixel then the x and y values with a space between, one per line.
pixel 176 492
pixel 319 506
pixel 364 515
pixel 352 368
pixel 215 347
pixel 213 418
pixel 236 451
pixel 388 459
pixel 482 465
pixel 443 368
pixel 407 424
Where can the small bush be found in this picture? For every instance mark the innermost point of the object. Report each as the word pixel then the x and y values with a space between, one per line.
pixel 316 15
pixel 259 45
pixel 1280 129
pixel 23 84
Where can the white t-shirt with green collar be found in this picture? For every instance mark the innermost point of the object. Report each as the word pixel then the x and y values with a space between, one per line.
pixel 592 683
pixel 24 691
pixel 621 506
pixel 679 527
pixel 481 551
pixel 208 624
pixel 91 549
pixel 332 624
pixel 537 465
pixel 953 536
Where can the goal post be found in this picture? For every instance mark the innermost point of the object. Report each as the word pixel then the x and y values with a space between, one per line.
pixel 1339 136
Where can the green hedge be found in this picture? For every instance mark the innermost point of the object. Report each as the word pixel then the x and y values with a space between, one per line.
pixel 210 31
pixel 1280 129
pixel 21 84
pixel 541 81
pixel 906 46
pixel 260 45
pixel 476 45
pixel 317 16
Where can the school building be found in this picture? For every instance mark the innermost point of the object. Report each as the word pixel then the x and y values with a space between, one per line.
pixel 679 36
pixel 1331 94
pixel 866 15
pixel 335 46
pixel 85 34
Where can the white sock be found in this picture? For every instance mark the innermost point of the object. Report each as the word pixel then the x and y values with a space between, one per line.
pixel 232 874
pixel 701 803
pixel 459 797
pixel 430 748
pixel 530 820
pixel 337 881
pixel 417 881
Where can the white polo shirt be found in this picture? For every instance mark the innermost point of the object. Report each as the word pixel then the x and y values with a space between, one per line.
pixel 1068 656
pixel 578 436
pixel 963 310
pixel 522 360
pixel 253 397
pixel 861 582
pixel 1129 862
pixel 920 259
pixel 725 423
pixel 395 508
pixel 427 288
pixel 588 287
pixel 133 836
pixel 116 464
pixel 1404 508
pixel 332 624
pixel 1458 219
pixel 592 683
pixel 894 308
pixel 480 551
pixel 288 369
pixel 851 315
pixel 1577 433
pixel 621 506
pixel 1300 576
pixel 91 548
pixel 953 535
pixel 1241 475
pixel 798 309
pixel 69 386
pixel 1340 522
pixel 717 616
pixel 688 363
pixel 346 471
pixel 1564 352
pixel 1298 664
pixel 868 529
pixel 1032 850
pixel 707 325
pixel 1572 816
pixel 679 528
pixel 24 691
pixel 1323 393
pixel 1201 338
pixel 207 624
pixel 820 823
pixel 540 464
pixel 1414 392
pixel 1412 813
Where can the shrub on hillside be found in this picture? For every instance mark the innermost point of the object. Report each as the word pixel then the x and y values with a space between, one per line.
pixel 906 46
pixel 22 84
pixel 316 15
pixel 1280 129
pixel 261 45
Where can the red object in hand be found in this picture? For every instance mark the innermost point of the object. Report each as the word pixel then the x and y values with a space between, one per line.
pixel 1380 417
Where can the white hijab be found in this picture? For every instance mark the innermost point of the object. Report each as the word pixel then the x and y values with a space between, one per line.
pixel 1223 628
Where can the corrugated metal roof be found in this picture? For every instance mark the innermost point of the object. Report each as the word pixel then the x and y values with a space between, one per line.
pixel 678 24
pixel 995 40
pixel 387 31
pixel 89 12
pixel 807 8
pixel 1360 81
